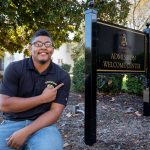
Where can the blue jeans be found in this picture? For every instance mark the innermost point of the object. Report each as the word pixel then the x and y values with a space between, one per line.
pixel 47 138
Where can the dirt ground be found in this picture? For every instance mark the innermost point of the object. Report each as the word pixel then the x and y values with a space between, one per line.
pixel 120 124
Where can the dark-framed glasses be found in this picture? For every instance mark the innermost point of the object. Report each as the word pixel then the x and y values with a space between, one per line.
pixel 40 44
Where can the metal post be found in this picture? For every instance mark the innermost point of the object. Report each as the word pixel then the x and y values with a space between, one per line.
pixel 146 94
pixel 90 79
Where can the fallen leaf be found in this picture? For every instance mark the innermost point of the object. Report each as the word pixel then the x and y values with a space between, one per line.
pixel 65 135
pixel 66 144
pixel 104 107
pixel 138 114
pixel 113 99
pixel 69 114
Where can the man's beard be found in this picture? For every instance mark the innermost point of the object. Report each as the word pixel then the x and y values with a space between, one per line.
pixel 42 62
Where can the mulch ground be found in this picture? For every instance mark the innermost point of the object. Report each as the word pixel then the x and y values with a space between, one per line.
pixel 120 124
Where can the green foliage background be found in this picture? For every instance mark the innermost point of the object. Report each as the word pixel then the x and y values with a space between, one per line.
pixel 135 84
pixel 109 83
pixel 19 19
pixel 79 75
pixel 66 67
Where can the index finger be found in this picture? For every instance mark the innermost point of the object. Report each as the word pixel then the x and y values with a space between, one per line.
pixel 58 86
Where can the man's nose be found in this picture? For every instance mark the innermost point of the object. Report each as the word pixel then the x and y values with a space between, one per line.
pixel 43 46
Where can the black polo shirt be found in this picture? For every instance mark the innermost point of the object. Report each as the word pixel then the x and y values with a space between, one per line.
pixel 21 79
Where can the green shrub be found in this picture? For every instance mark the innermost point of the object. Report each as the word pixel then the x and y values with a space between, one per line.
pixel 135 84
pixel 78 75
pixel 109 83
pixel 66 67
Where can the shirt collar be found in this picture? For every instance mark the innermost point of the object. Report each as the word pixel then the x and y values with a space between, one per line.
pixel 50 69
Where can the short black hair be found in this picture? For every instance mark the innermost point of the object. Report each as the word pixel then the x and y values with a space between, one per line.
pixel 41 32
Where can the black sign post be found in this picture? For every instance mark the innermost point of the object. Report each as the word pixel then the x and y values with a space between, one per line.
pixel 112 49
pixel 90 79
pixel 146 94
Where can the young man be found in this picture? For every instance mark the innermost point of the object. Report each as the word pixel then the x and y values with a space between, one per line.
pixel 33 94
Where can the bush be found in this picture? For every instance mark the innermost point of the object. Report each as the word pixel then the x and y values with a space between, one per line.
pixel 66 67
pixel 109 83
pixel 135 84
pixel 78 75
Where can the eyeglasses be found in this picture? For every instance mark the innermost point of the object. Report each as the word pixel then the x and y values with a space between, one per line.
pixel 40 44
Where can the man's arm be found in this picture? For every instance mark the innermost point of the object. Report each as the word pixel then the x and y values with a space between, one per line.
pixel 46 119
pixel 18 104
pixel 18 138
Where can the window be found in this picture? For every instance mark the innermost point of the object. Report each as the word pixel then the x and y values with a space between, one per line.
pixel 60 61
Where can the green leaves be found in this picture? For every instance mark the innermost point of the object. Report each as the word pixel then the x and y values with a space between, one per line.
pixel 66 67
pixel 78 75
pixel 58 17
pixel 135 84
pixel 113 11
pixel 19 19
pixel 109 83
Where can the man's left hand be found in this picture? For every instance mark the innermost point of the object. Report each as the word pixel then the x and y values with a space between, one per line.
pixel 17 139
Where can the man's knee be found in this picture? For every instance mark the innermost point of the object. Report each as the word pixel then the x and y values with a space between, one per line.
pixel 47 138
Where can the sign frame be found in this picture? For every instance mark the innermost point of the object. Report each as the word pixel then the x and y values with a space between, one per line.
pixel 120 29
